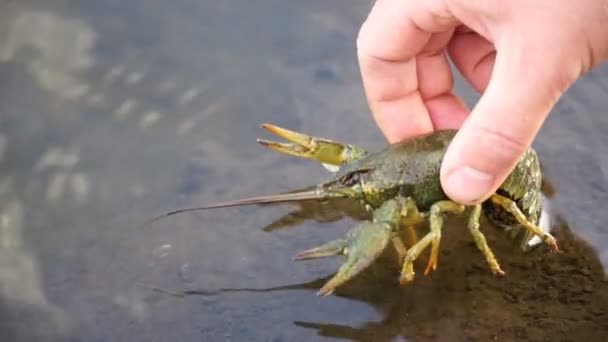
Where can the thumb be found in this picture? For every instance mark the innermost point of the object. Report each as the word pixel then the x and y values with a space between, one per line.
pixel 503 124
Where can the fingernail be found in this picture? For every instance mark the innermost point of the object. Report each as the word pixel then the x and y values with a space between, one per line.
pixel 468 185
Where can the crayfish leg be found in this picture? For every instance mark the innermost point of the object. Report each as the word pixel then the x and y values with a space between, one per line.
pixel 412 236
pixel 410 217
pixel 514 210
pixel 399 247
pixel 480 241
pixel 432 238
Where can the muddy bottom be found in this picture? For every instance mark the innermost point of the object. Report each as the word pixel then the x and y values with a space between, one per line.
pixel 544 296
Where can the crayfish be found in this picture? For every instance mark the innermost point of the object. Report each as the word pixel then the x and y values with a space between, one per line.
pixel 400 187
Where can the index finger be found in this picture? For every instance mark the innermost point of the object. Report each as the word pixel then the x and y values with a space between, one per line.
pixel 388 42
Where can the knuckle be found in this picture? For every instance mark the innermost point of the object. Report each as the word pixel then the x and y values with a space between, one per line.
pixel 438 14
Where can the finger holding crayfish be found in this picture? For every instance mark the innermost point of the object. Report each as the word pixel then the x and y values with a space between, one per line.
pixel 400 186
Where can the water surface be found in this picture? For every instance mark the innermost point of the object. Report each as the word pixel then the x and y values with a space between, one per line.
pixel 112 112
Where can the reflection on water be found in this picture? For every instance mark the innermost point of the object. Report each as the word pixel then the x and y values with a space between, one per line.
pixel 112 111
pixel 21 287
pixel 50 36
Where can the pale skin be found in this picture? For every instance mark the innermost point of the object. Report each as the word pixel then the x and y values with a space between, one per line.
pixel 522 55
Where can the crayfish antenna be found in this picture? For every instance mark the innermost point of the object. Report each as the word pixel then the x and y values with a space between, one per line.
pixel 317 194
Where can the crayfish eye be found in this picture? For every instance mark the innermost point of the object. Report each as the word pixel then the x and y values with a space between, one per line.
pixel 352 178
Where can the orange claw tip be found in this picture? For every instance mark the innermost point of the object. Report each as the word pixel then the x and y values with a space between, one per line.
pixel 269 127
pixel 311 254
pixel 553 245
pixel 324 292
pixel 299 257
pixel 292 136
pixel 432 266
pixel 329 287
pixel 272 144
pixel 273 129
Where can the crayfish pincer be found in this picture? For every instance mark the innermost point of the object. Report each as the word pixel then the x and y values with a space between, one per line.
pixel 400 187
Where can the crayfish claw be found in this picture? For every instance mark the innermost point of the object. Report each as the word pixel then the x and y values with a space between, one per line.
pixel 364 245
pixel 335 247
pixel 305 146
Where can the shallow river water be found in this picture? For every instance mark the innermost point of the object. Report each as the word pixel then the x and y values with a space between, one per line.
pixel 112 112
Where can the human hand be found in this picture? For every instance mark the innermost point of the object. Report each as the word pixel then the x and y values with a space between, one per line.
pixel 521 54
